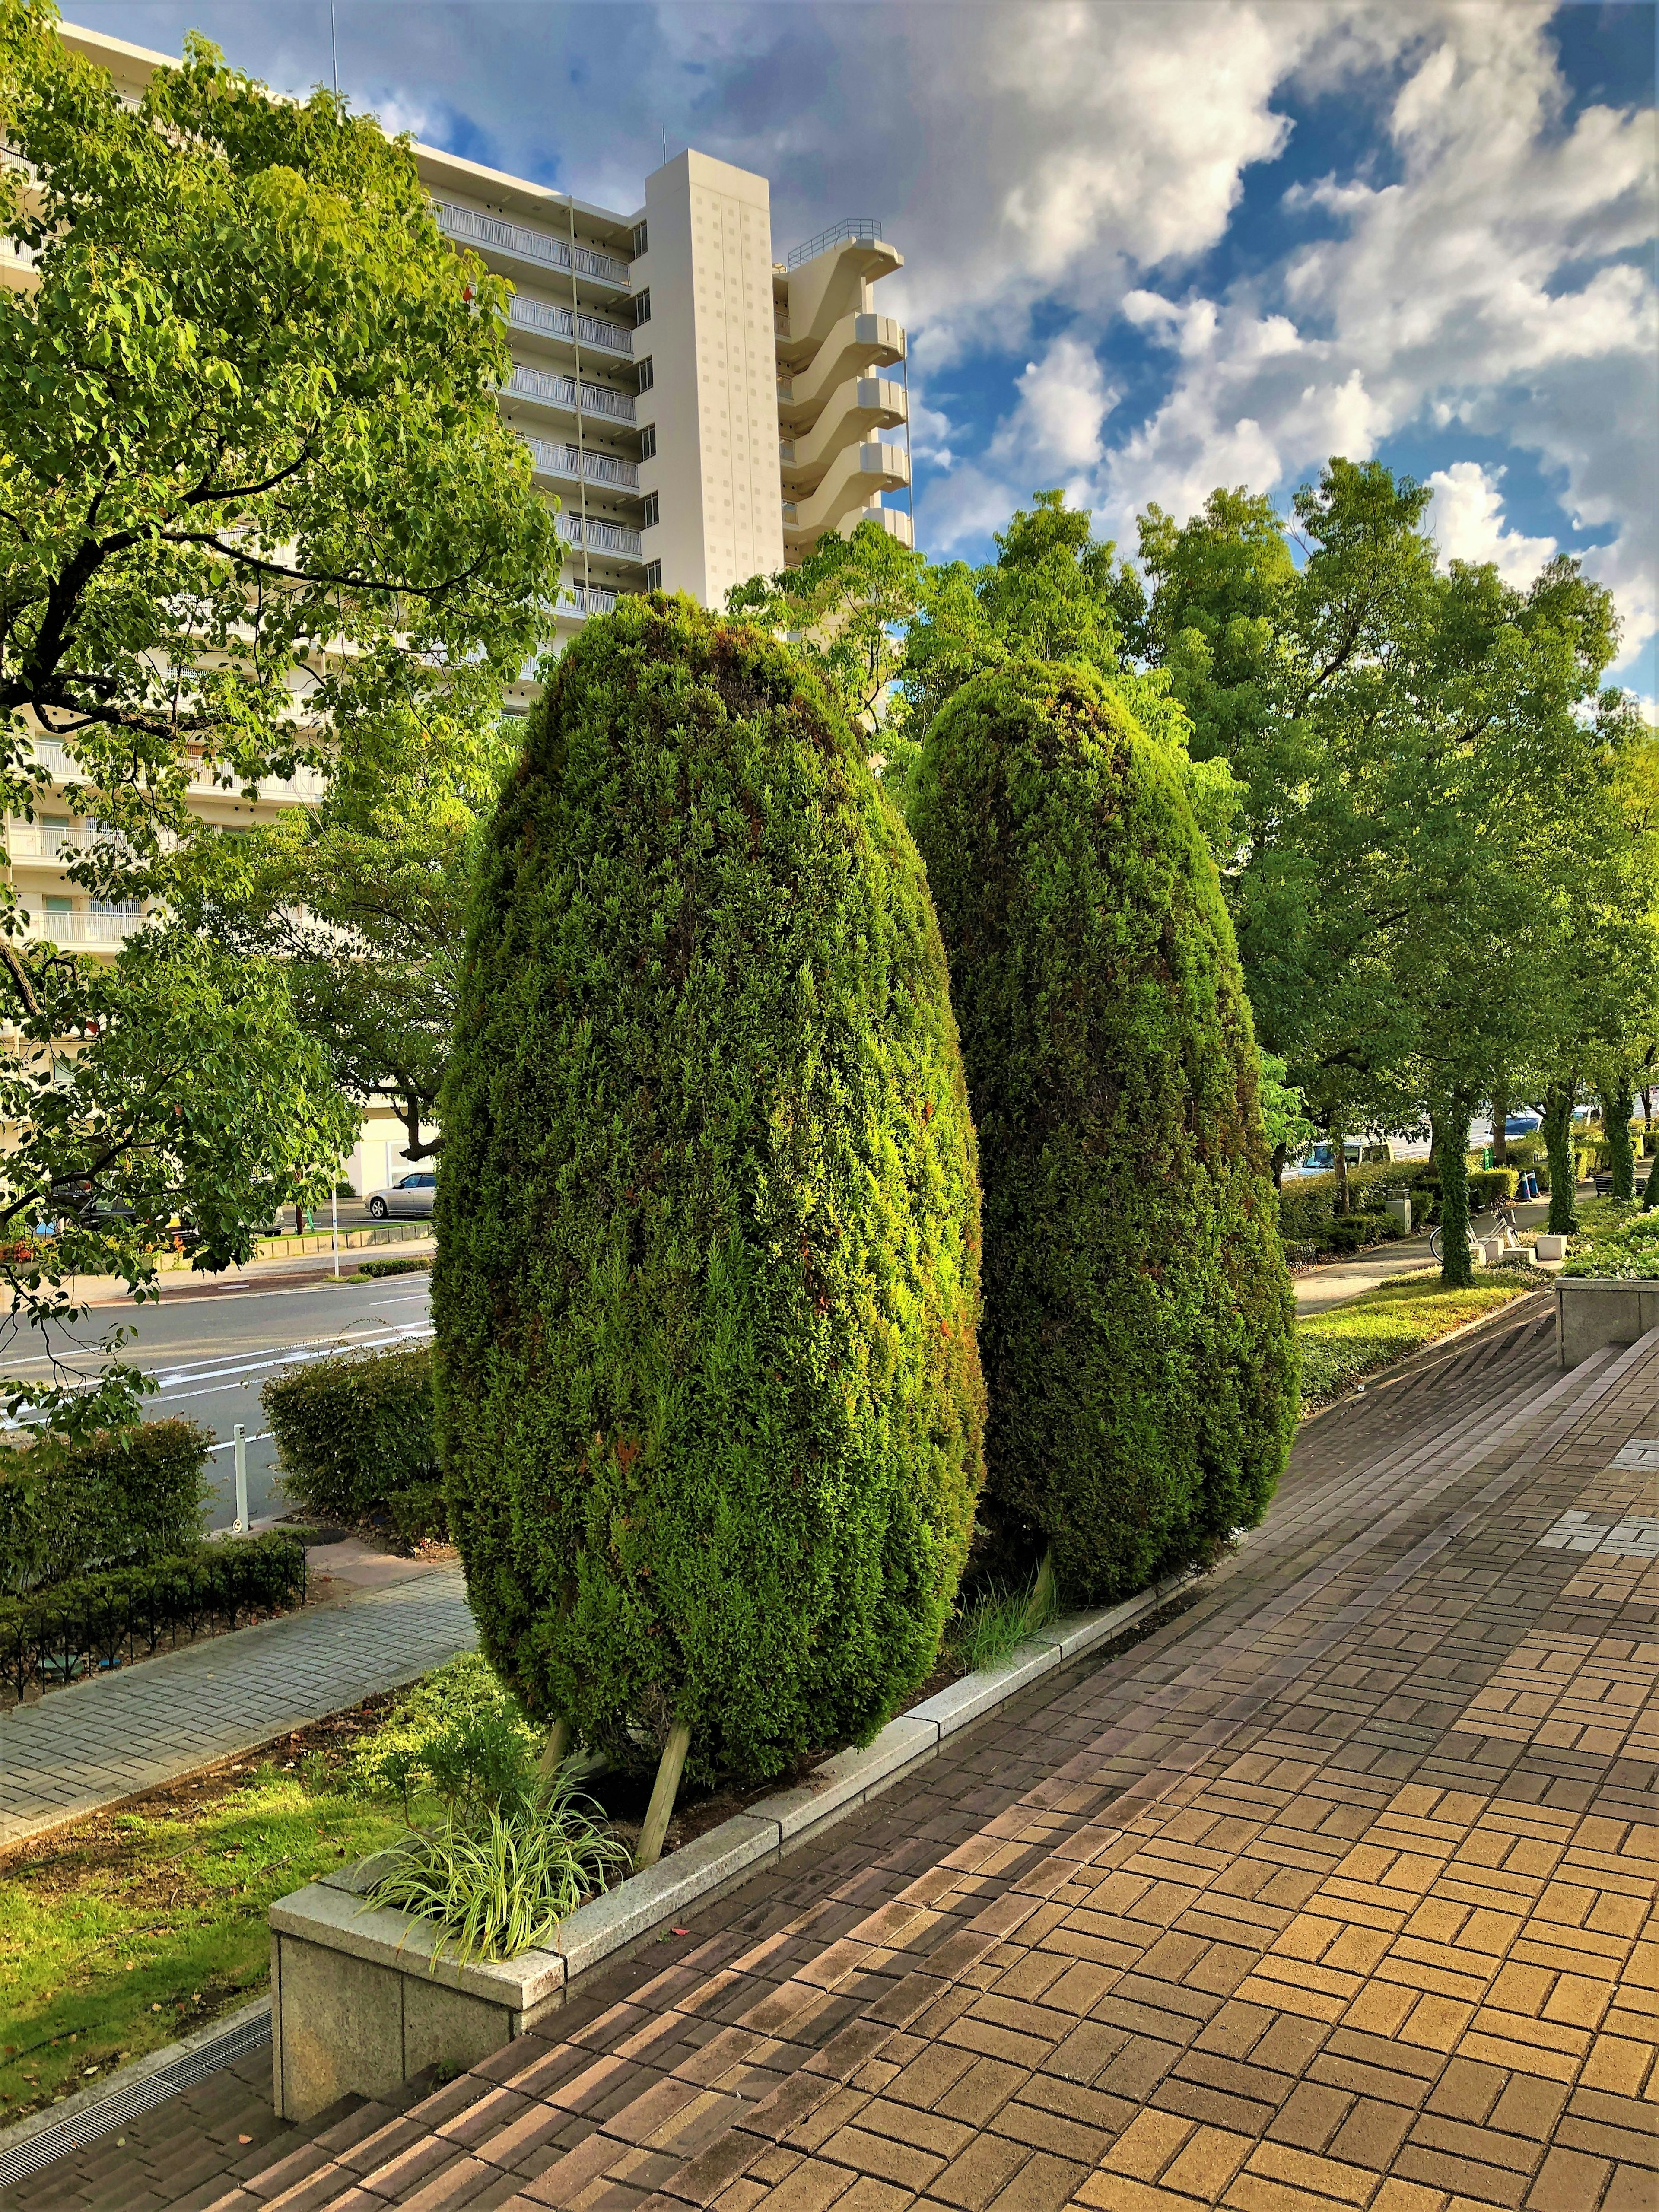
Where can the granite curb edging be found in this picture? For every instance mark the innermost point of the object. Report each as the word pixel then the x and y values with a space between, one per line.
pixel 392 2006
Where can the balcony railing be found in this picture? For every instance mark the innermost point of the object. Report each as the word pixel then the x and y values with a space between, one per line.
pixel 560 391
pixel 562 323
pixel 559 460
pixel 592 600
pixel 602 537
pixel 306 784
pixel 111 927
pixel 862 227
pixel 476 229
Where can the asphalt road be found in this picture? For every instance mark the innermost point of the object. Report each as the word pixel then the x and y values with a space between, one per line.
pixel 210 1351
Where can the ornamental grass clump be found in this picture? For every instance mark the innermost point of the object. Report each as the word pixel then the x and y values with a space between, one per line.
pixel 706 1284
pixel 1137 1340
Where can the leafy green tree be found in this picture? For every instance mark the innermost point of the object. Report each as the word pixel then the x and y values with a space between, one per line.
pixel 1426 761
pixel 844 608
pixel 363 899
pixel 256 507
pixel 176 1083
pixel 707 1292
pixel 1138 1335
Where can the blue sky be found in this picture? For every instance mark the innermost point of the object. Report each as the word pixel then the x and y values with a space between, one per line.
pixel 1151 247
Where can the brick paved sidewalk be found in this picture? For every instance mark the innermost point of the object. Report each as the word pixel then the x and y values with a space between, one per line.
pixel 141 1726
pixel 1327 1893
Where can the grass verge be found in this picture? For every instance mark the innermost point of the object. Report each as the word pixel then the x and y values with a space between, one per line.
pixel 1342 1346
pixel 134 1927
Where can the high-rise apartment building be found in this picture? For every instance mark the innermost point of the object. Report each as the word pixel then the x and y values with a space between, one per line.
pixel 702 410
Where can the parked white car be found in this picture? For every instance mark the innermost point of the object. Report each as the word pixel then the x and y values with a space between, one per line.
pixel 410 1193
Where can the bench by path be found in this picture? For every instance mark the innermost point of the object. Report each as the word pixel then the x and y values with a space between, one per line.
pixel 140 1727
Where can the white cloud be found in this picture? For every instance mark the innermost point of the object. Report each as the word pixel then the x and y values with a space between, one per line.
pixel 1467 520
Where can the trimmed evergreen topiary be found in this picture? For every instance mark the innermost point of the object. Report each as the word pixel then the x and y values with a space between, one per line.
pixel 707 1287
pixel 1138 1333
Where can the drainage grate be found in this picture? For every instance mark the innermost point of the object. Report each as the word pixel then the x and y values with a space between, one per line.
pixel 111 2113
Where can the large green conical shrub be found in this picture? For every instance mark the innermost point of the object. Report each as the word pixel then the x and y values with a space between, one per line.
pixel 1137 1339
pixel 707 1288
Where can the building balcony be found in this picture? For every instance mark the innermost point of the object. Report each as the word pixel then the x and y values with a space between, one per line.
pixel 492 234
pixel 99 929
pixel 591 599
pixel 856 345
pixel 548 459
pixel 539 319
pixel 615 540
pixel 852 414
pixel 859 476
pixel 544 388
pixel 305 787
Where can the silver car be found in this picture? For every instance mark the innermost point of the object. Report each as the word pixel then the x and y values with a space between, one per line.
pixel 410 1193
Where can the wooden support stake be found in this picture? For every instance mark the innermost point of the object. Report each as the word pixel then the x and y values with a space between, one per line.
pixel 1042 1591
pixel 666 1788
pixel 554 1754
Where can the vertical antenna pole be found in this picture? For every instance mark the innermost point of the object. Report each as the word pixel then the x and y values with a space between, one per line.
pixel 334 47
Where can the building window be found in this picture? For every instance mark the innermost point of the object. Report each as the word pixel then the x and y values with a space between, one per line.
pixel 643 307
pixel 648 373
pixel 654 575
pixel 648 443
pixel 641 239
pixel 653 513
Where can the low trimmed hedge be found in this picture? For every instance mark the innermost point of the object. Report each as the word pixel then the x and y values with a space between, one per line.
pixel 422 1265
pixel 123 1497
pixel 1349 1232
pixel 98 1620
pixel 355 1442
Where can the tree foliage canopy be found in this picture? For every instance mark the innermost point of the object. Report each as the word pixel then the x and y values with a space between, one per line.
pixel 1137 1340
pixel 706 1289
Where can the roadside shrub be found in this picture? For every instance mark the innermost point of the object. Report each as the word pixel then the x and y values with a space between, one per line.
pixel 1351 1232
pixel 1307 1204
pixel 98 1620
pixel 1138 1344
pixel 122 1496
pixel 459 1731
pixel 354 1439
pixel 708 1276
pixel 372 1268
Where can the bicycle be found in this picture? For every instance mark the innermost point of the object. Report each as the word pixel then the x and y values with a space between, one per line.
pixel 1503 1219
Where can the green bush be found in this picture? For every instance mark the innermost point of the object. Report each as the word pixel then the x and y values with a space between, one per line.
pixel 1138 1344
pixel 1354 1230
pixel 1307 1204
pixel 1627 1247
pixel 98 1620
pixel 373 1268
pixel 708 1284
pixel 354 1439
pixel 122 1496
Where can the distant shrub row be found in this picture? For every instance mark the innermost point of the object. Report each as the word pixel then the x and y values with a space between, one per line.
pixel 102 1620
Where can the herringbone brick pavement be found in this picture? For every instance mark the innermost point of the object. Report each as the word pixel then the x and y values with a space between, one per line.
pixel 1330 1892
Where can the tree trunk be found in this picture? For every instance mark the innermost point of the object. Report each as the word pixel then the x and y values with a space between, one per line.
pixel 1281 1153
pixel 1500 1115
pixel 1558 1148
pixel 1339 1161
pixel 1456 1260
pixel 665 1789
pixel 1617 1107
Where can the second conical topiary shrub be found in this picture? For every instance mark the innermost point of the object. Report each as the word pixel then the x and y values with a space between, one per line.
pixel 707 1287
pixel 1137 1339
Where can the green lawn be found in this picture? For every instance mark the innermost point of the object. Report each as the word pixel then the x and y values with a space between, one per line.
pixel 134 1927
pixel 1342 1346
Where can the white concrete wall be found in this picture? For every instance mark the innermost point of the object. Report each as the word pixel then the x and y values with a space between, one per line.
pixel 713 399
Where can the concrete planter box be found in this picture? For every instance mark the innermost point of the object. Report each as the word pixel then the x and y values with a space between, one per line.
pixel 1591 1310
pixel 1552 1247
pixel 358 2003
